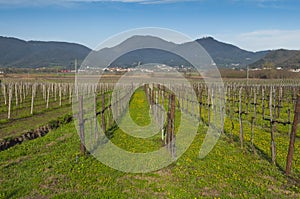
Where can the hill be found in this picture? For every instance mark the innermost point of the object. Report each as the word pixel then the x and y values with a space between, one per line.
pixel 148 50
pixel 32 54
pixel 224 55
pixel 279 58
pixel 228 55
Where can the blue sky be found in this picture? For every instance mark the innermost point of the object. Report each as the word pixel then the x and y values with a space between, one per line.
pixel 250 24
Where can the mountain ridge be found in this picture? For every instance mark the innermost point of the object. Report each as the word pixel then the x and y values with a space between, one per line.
pixel 282 58
pixel 234 56
pixel 16 52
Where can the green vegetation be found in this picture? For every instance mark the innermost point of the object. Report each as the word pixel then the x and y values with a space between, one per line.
pixel 16 128
pixel 50 102
pixel 52 167
pixel 280 58
pixel 36 54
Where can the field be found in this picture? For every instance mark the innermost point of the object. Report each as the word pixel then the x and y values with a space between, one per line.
pixel 241 165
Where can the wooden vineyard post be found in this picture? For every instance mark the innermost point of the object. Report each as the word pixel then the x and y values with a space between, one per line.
pixel 110 116
pixel 146 92
pixel 162 118
pixel 253 122
pixel 279 102
pixel 4 93
pixel 255 103
pixel 70 94
pixel 273 144
pixel 246 100
pixel 173 147
pixel 263 102
pixel 20 92
pixel 95 115
pixel 170 135
pixel 213 103
pixel 152 96
pixel 192 112
pixel 289 120
pixel 16 94
pixel 24 92
pixel 48 96
pixel 182 100
pixel 16 97
pixel 292 137
pixel 179 97
pixel 200 103
pixel 156 103
pixel 208 105
pixel 169 125
pixel 240 118
pixel 81 125
pixel 230 100
pixel 9 100
pixel 103 125
pixel 32 98
pixel 60 94
pixel 117 93
pixel 223 110
pixel 44 92
pixel 55 91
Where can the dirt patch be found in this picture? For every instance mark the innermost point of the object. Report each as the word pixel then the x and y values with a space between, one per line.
pixel 137 179
pixel 51 144
pixel 16 161
pixel 164 172
pixel 51 183
pixel 64 137
pixel 280 189
pixel 206 191
pixel 37 196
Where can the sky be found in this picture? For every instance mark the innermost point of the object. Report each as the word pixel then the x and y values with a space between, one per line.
pixel 250 24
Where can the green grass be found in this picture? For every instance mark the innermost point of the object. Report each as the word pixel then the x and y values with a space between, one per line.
pixel 18 127
pixel 52 167
pixel 139 108
pixel 262 137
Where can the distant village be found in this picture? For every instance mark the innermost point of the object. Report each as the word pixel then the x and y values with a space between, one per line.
pixel 166 68
pixel 117 69
pixel 277 68
pixel 122 70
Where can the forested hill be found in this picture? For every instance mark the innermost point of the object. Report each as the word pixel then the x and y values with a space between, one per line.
pixel 228 55
pixel 32 54
pixel 279 58
pixel 223 54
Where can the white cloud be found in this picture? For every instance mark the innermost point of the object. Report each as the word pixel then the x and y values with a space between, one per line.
pixel 58 2
pixel 266 39
pixel 272 39
pixel 272 4
pixel 262 3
